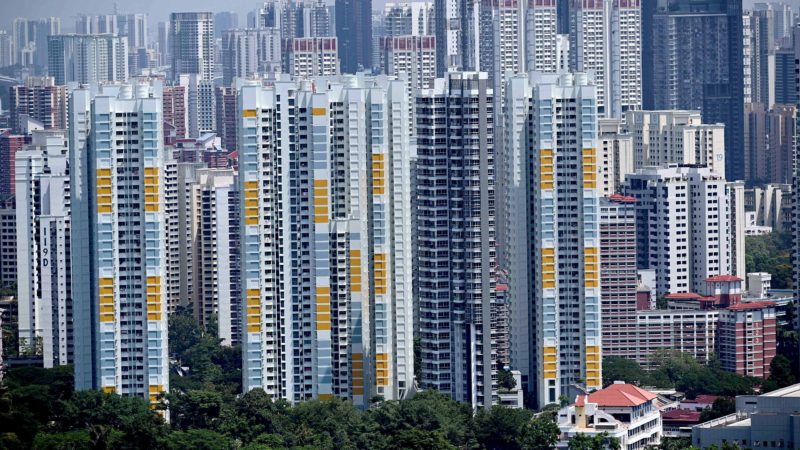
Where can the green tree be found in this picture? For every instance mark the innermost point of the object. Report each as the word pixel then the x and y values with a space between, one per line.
pixel 505 379
pixel 502 428
pixel 771 253
pixel 543 434
pixel 721 407
pixel 600 441
pixel 196 440
pixel 621 369
pixel 195 409
pixel 68 440
pixel 781 372
pixel 415 439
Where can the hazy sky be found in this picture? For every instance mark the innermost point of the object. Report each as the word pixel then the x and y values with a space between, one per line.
pixel 157 9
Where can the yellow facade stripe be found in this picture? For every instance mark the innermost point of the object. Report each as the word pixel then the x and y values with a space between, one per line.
pixel 321 183
pixel 319 111
pixel 249 113
pixel 151 170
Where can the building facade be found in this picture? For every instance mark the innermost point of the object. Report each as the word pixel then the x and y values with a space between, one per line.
pixel 117 181
pixel 326 239
pixel 555 269
pixel 87 58
pixel 191 42
pixel 456 248
pixel 39 99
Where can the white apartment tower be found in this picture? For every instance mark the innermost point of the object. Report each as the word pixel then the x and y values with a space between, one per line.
pixel 408 18
pixel 191 41
pixel 216 250
pixel 43 240
pixel 455 228
pixel 541 18
pixel 552 246
pixel 250 52
pixel 661 138
pixel 117 181
pixel 312 57
pixel 457 27
pixel 605 40
pixel 324 171
pixel 682 225
pixel 615 154
pixel 410 57
pixel 87 58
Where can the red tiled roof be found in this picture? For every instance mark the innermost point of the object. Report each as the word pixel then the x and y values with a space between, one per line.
pixel 681 415
pixel 621 395
pixel 702 399
pixel 752 305
pixel 580 401
pixel 622 198
pixel 683 295
pixel 721 278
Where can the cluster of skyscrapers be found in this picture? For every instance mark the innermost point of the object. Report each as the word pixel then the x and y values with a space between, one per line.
pixel 371 203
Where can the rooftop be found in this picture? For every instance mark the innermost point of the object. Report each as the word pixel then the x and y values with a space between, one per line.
pixel 723 278
pixel 752 305
pixel 681 415
pixel 621 394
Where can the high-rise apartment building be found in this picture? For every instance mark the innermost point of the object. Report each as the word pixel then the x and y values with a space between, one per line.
pixel 250 52
pixel 412 57
pixel 782 88
pixel 661 138
pixel 408 18
pixel 552 232
pixel 324 172
pixel 457 27
pixel 117 180
pixel 456 248
pixel 10 144
pixel 200 108
pixel 227 123
pixel 43 237
pixel 694 61
pixel 354 33
pixel 311 57
pixel 87 58
pixel 224 21
pixel 605 39
pixel 30 40
pixel 615 155
pixel 618 274
pixel 39 99
pixel 541 19
pixel 769 143
pixel 8 242
pixel 502 42
pixel 175 104
pixel 682 225
pixel 216 252
pixel 758 45
pixel 191 41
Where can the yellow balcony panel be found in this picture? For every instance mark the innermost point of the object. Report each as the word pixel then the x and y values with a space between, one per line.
pixel 549 284
pixel 355 287
pixel 109 309
pixel 549 358
pixel 321 183
pixel 320 219
pixel 104 209
pixel 251 185
pixel 321 192
pixel 546 152
pixel 319 111
pixel 321 201
pixel 592 284
pixel 153 308
pixel 151 170
pixel 249 113
pixel 550 351
pixel 378 191
pixel 323 317
pixel 549 366
pixel 355 253
pixel 322 308
pixel 156 388
pixel 357 365
pixel 358 390
pixel 378 157
pixel 382 365
pixel 249 195
pixel 151 208
pixel 323 326
pixel 109 389
pixel 378 165
pixel 592 366
pixel 251 221
pixel 253 293
pixel 547 185
pixel 253 320
pixel 323 290
pixel 549 375
pixel 590 185
pixel 253 203
pixel 104 191
pixel 381 356
pixel 106 281
pixel 105 172
pixel 154 316
pixel 253 328
pixel 588 151
pixel 358 356
pixel 356 278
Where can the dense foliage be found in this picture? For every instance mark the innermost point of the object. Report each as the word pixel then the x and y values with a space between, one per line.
pixel 680 371
pixel 40 410
pixel 771 253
